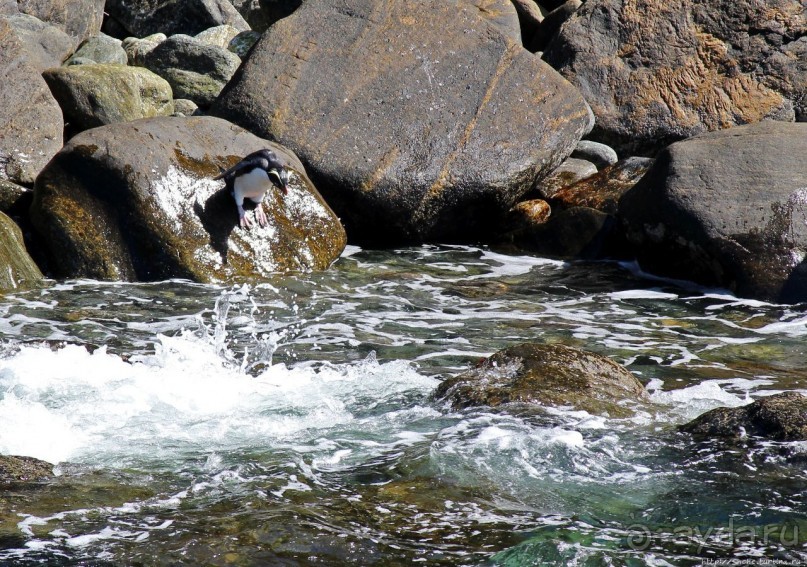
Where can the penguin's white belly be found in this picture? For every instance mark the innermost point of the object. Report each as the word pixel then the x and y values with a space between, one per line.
pixel 252 185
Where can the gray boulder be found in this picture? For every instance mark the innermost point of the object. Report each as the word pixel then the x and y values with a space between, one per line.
pixel 195 70
pixel 780 417
pixel 595 152
pixel 137 201
pixel 727 208
pixel 80 19
pixel 138 48
pixel 419 121
pixel 144 17
pixel 17 268
pixel 502 14
pixel 94 95
pixel 47 45
pixel 667 71
pixel 30 118
pixel 219 36
pixel 549 375
pixel 101 49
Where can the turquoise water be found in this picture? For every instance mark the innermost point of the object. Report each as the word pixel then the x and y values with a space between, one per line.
pixel 290 422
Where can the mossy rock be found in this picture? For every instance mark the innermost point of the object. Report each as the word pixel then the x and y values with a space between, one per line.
pixel 17 268
pixel 137 201
pixel 547 375
pixel 781 417
pixel 23 469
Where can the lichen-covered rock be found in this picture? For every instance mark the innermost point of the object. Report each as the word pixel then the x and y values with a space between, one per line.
pixel 243 42
pixel 659 71
pixel 419 121
pixel 94 95
pixel 145 17
pixel 17 268
pixel 46 44
pixel 727 208
pixel 101 49
pixel 780 417
pixel 80 19
pixel 136 201
pixel 546 374
pixel 219 36
pixel 31 121
pixel 15 469
pixel 195 70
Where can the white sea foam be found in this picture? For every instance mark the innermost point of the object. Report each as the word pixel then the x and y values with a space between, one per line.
pixel 71 405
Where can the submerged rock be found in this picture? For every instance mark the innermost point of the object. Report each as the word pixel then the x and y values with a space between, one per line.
pixel 23 469
pixel 660 71
pixel 136 201
pixel 418 121
pixel 17 268
pixel 98 94
pixel 30 118
pixel 550 375
pixel 781 417
pixel 729 209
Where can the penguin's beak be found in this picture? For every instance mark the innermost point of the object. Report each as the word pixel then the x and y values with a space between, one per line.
pixel 280 177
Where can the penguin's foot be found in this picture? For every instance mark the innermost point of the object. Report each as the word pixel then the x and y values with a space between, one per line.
pixel 245 222
pixel 260 214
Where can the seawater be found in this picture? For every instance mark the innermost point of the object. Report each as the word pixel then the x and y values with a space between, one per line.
pixel 291 422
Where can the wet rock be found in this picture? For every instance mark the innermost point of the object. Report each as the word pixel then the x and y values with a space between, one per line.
pixel 219 36
pixel 727 208
pixel 603 190
pixel 573 233
pixel 23 469
pixel 546 374
pixel 144 17
pixel 243 42
pixel 46 44
pixel 781 417
pixel 195 70
pixel 136 201
pixel 80 19
pixel 94 95
pixel 138 48
pixel 419 122
pixel 10 195
pixel 551 24
pixel 595 152
pixel 17 268
pixel 30 118
pixel 662 71
pixel 101 49
pixel 528 213
pixel 567 173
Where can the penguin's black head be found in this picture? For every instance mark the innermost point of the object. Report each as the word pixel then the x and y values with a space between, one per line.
pixel 280 178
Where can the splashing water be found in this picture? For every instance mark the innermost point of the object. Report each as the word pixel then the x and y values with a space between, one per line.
pixel 292 421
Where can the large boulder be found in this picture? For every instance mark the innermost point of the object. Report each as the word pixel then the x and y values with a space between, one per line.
pixel 17 268
pixel 102 49
pixel 136 201
pixel 144 17
pixel 94 95
pixel 80 19
pixel 419 121
pixel 659 71
pixel 194 69
pixel 727 208
pixel 780 417
pixel 30 118
pixel 549 375
pixel 47 45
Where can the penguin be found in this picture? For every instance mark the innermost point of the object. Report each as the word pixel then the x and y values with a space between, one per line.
pixel 251 178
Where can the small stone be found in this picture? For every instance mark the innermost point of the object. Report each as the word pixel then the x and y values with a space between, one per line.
pixel 595 152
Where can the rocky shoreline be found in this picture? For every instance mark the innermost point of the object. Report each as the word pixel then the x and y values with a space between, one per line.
pixel 673 133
